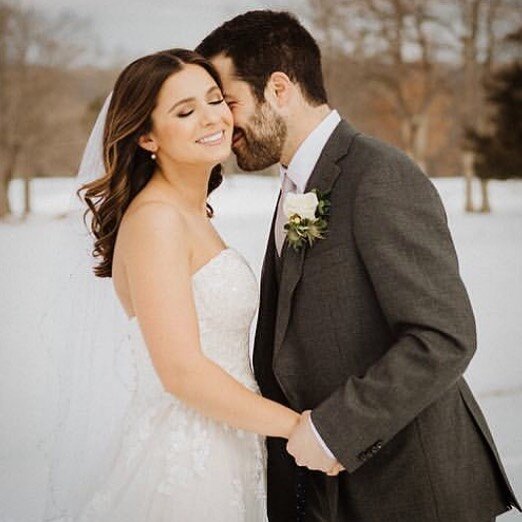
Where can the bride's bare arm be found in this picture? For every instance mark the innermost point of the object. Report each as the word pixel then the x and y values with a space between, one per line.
pixel 157 261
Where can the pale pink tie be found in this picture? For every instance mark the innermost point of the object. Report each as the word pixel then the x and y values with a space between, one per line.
pixel 279 231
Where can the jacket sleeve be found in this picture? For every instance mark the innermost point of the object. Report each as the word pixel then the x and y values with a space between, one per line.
pixel 401 233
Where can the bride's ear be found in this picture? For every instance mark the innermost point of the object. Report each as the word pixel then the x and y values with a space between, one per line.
pixel 147 142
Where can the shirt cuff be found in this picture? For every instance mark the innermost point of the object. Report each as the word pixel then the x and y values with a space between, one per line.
pixel 320 439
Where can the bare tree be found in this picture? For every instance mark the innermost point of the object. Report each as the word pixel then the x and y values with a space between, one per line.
pixel 472 30
pixel 480 26
pixel 469 13
pixel 6 161
pixel 34 52
pixel 417 53
pixel 397 41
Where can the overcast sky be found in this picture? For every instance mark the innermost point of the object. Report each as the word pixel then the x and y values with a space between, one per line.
pixel 126 29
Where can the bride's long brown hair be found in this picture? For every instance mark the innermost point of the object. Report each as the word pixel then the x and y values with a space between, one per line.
pixel 128 167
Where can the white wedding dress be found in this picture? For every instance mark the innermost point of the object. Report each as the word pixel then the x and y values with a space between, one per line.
pixel 174 464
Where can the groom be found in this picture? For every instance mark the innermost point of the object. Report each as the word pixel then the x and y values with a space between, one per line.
pixel 368 331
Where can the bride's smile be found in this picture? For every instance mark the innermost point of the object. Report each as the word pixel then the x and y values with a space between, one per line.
pixel 216 138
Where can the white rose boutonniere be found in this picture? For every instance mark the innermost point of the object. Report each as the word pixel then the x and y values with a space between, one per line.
pixel 306 215
pixel 303 205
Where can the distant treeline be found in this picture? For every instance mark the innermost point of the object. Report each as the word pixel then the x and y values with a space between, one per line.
pixel 411 72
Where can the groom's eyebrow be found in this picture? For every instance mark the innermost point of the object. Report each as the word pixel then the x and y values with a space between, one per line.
pixel 192 98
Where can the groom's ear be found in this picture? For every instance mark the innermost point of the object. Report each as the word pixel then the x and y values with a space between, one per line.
pixel 279 89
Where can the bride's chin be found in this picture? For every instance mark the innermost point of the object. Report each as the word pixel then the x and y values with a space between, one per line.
pixel 213 158
pixel 222 156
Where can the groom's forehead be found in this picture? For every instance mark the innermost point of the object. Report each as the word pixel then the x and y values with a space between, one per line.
pixel 225 65
pixel 231 81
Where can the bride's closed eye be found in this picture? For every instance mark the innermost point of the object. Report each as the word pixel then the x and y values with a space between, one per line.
pixel 188 113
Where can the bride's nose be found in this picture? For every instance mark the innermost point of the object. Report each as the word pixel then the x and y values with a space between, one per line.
pixel 209 115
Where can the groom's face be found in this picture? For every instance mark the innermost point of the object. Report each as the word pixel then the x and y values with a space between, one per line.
pixel 259 132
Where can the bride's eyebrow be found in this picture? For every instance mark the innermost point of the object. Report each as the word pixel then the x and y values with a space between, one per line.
pixel 192 98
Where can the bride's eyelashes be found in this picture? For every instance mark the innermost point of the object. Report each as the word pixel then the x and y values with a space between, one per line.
pixel 188 113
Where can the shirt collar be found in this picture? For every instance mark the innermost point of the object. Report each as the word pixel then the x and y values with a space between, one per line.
pixel 303 162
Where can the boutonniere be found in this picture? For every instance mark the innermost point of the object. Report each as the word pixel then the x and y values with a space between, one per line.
pixel 307 217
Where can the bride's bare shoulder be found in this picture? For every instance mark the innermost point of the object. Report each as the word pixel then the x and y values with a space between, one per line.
pixel 150 216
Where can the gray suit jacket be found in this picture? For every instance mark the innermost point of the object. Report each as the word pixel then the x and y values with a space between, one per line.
pixel 372 329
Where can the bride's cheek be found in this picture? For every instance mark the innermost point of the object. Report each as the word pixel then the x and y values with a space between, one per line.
pixel 177 135
pixel 226 115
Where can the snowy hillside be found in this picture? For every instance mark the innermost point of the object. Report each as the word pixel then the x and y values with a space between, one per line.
pixel 490 254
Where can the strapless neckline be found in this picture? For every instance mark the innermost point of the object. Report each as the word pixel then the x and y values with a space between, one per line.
pixel 201 269
pixel 211 261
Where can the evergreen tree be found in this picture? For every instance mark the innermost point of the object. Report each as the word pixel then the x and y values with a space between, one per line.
pixel 499 151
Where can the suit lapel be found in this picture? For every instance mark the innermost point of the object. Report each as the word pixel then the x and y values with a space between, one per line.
pixel 323 178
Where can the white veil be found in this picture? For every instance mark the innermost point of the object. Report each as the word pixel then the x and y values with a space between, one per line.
pixel 91 374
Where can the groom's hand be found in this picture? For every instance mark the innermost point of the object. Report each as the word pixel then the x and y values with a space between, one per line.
pixel 307 451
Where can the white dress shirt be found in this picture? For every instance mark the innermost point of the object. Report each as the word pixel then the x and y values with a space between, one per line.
pixel 303 162
pixel 299 171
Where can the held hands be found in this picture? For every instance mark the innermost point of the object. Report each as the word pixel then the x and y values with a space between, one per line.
pixel 307 451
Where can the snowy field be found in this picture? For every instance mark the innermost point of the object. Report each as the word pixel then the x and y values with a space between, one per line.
pixel 490 254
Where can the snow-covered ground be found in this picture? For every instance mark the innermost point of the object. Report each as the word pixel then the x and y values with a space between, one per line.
pixel 490 254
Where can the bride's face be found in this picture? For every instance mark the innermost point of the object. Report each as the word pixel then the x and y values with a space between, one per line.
pixel 191 123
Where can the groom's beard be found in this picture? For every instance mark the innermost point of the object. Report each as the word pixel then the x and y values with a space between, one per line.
pixel 260 145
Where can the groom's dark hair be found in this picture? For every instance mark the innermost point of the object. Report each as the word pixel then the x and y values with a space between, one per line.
pixel 260 43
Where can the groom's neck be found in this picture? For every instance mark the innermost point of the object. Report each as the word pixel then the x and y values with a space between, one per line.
pixel 299 125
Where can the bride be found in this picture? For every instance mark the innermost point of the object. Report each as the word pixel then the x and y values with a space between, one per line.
pixel 192 448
